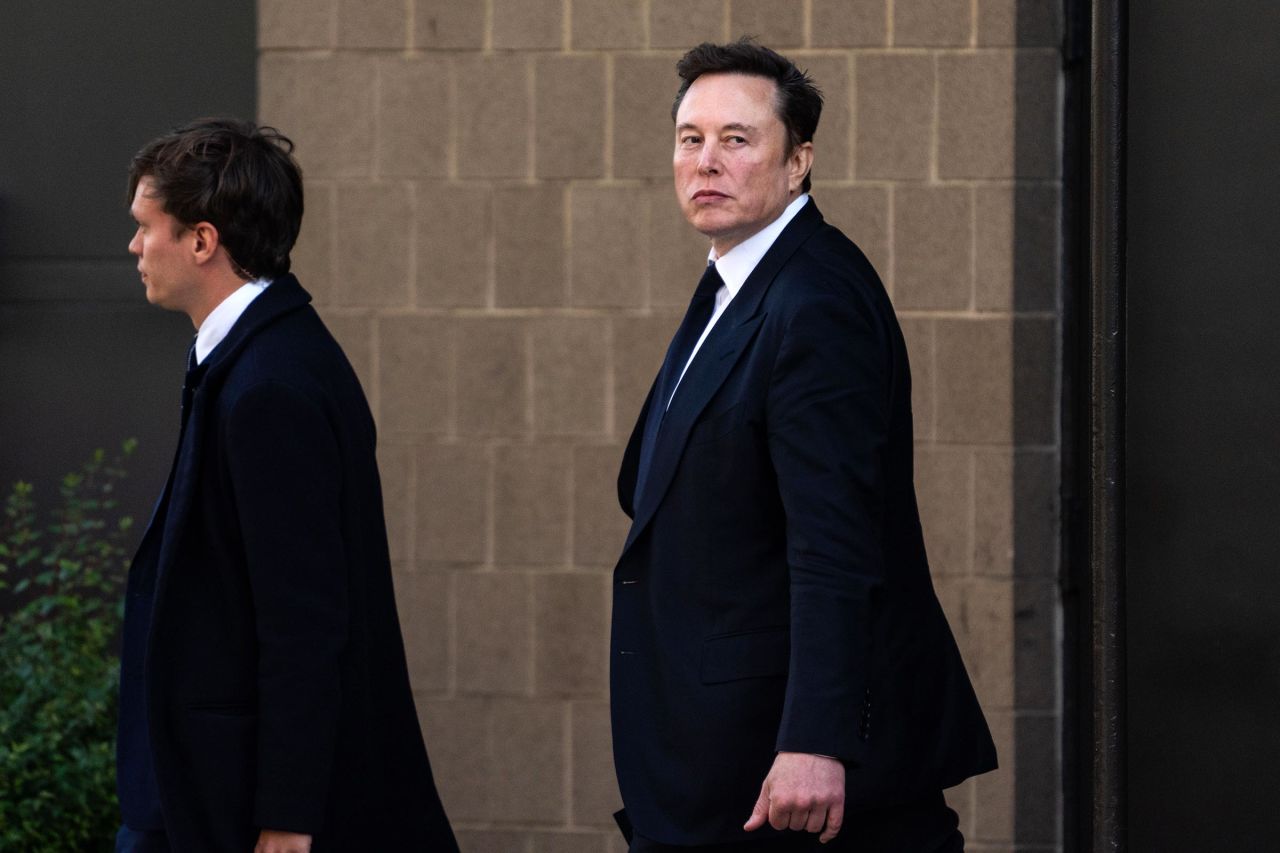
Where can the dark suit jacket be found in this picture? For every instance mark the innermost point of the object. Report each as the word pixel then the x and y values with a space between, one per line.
pixel 273 675
pixel 773 593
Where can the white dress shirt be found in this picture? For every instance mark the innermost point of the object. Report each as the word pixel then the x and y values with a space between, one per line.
pixel 221 319
pixel 734 267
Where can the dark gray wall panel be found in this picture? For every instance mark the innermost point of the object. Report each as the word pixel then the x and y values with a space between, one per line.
pixel 1203 451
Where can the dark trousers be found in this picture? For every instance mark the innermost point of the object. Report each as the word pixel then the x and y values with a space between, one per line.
pixel 136 841
pixel 926 825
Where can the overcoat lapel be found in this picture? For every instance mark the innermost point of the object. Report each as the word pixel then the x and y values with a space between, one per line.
pixel 282 297
pixel 722 349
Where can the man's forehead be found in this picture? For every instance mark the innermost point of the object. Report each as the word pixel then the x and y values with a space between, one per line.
pixel 744 92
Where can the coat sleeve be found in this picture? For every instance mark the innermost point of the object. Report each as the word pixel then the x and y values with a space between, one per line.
pixel 285 468
pixel 828 417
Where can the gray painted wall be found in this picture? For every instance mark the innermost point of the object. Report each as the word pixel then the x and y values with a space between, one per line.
pixel 84 360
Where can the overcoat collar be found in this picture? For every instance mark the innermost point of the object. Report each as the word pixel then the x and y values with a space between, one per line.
pixel 719 353
pixel 284 295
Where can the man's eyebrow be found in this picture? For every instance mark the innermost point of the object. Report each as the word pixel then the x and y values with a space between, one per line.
pixel 731 126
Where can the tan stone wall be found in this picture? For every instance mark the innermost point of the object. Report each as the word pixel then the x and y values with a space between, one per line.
pixel 492 235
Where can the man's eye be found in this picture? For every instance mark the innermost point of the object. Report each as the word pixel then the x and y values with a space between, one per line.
pixel 690 140
pixel 737 140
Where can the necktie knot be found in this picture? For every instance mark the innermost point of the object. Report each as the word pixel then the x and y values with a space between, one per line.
pixel 708 284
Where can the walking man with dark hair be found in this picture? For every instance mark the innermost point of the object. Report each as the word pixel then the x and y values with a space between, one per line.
pixel 782 674
pixel 264 701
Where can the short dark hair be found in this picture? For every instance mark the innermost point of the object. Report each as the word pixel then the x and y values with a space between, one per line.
pixel 237 176
pixel 799 100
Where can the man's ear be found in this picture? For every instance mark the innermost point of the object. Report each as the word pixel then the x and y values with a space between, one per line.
pixel 799 162
pixel 205 244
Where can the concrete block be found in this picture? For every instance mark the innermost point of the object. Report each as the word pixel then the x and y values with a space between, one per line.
pixel 778 24
pixel 603 24
pixel 325 105
pixel 1017 248
pixel 395 468
pixel 528 24
pixel 608 256
pixel 570 372
pixel 831 74
pixel 849 23
pixel 374 223
pixel 644 136
pixel 918 334
pixel 1035 639
pixel 569 842
pixel 493 840
pixel 355 335
pixel 493 386
pixel 457 735
pixel 569 98
pixel 452 506
pixel 494 119
pixel 974 384
pixel 529 753
pixel 932 247
pixel 529 236
pixel 313 257
pixel 862 213
pixel 1035 366
pixel 423 602
pixel 944 491
pixel 599 525
pixel 932 23
pixel 448 24
pixel 495 633
pixel 685 23
pixel 895 115
pixel 415 376
pixel 372 23
pixel 990 651
pixel 1025 23
pixel 994 511
pixel 295 23
pixel 594 785
pixel 998 115
pixel 414 118
pixel 571 619
pixel 454 235
pixel 532 505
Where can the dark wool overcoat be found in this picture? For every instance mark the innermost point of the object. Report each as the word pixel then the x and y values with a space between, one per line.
pixel 272 677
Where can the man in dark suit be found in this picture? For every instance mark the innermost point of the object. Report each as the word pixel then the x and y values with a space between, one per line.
pixel 265 701
pixel 776 637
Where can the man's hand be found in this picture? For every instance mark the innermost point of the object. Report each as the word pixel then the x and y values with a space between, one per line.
pixel 271 841
pixel 802 791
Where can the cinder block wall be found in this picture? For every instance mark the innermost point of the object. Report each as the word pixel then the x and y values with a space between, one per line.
pixel 492 234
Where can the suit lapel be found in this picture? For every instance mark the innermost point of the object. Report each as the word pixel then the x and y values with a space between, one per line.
pixel 722 349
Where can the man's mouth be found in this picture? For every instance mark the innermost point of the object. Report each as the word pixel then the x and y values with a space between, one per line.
pixel 708 195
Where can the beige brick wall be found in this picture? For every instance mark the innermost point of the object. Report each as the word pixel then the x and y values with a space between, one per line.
pixel 492 235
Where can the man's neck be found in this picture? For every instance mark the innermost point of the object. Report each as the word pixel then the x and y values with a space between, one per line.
pixel 215 293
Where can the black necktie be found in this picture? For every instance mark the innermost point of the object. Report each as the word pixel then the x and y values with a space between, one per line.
pixel 695 320
pixel 189 381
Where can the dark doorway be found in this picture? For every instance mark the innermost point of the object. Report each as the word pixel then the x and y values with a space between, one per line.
pixel 1202 443
pixel 86 361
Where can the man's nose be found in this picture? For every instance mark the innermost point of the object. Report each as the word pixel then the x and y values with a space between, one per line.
pixel 708 160
pixel 135 246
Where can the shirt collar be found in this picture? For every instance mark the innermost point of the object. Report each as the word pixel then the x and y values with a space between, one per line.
pixel 221 319
pixel 738 263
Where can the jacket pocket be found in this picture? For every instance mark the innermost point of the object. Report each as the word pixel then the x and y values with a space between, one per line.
pixel 758 653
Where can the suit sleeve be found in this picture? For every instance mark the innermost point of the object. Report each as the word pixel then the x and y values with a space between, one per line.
pixel 828 416
pixel 286 475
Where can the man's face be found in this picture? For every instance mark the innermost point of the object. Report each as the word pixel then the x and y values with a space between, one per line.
pixel 165 252
pixel 733 173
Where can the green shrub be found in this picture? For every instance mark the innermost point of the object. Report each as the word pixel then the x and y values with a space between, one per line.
pixel 61 604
